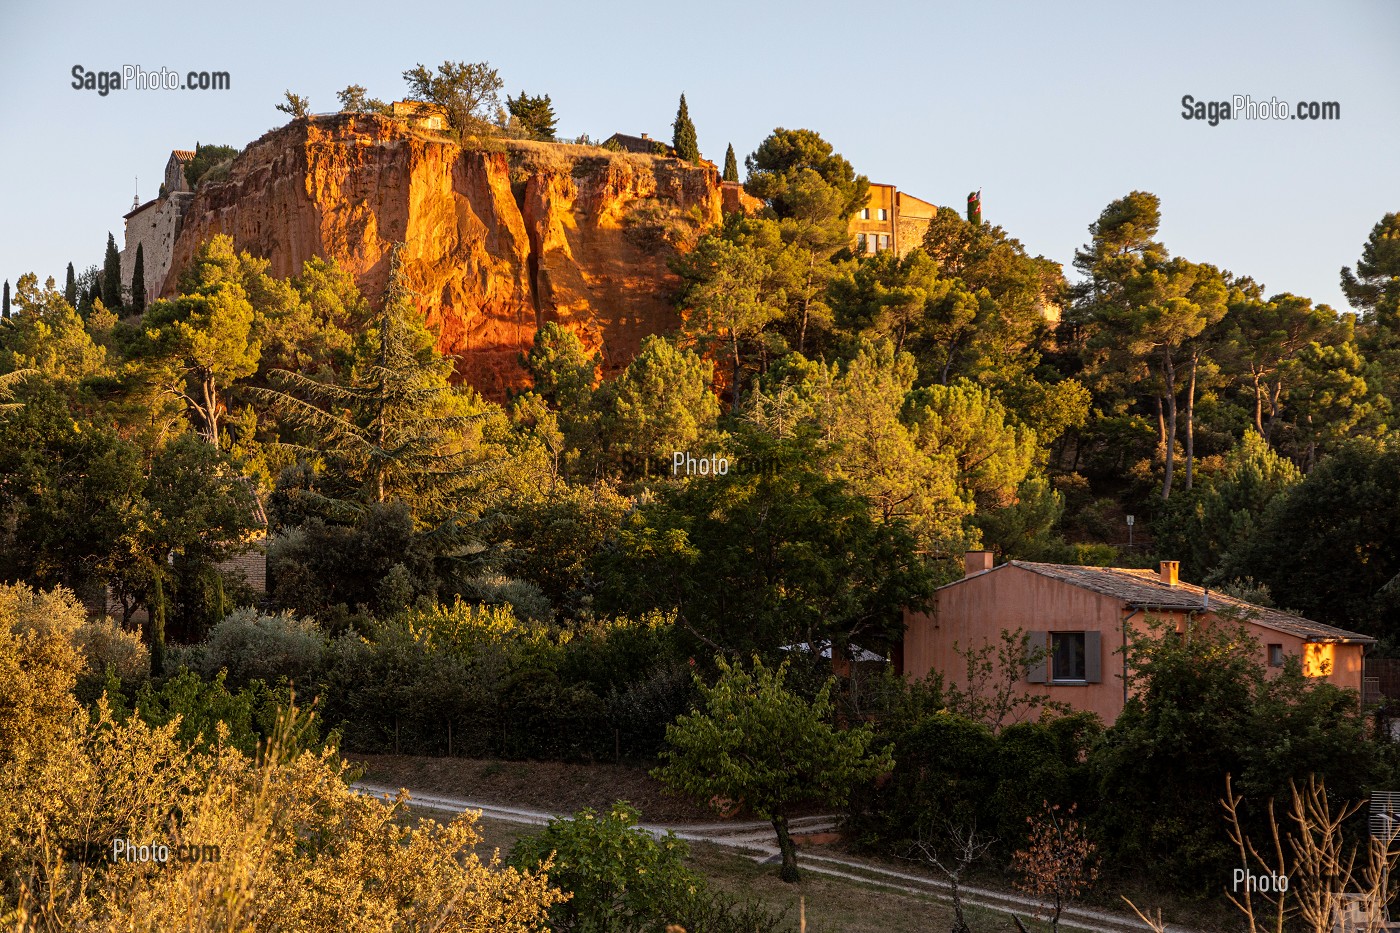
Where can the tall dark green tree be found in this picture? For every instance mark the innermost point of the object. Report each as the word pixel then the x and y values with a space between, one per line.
pixel 731 165
pixel 6 308
pixel 70 287
pixel 397 430
pixel 776 168
pixel 112 276
pixel 1374 291
pixel 683 134
pixel 138 282
pixel 1327 546
pixel 93 294
pixel 535 114
pixel 1374 288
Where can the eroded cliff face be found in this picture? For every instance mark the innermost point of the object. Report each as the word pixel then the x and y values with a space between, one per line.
pixel 496 243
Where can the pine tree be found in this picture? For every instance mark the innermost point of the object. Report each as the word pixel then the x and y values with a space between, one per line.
pixel 397 430
pixel 535 114
pixel 683 136
pixel 70 288
pixel 6 308
pixel 731 165
pixel 138 282
pixel 112 276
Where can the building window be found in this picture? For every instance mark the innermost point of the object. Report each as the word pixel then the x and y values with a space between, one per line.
pixel 1276 655
pixel 884 241
pixel 884 214
pixel 865 213
pixel 860 242
pixel 1067 656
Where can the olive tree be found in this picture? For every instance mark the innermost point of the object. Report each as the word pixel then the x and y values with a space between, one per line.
pixel 755 740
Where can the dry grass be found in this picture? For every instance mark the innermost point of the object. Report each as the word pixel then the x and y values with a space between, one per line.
pixel 555 786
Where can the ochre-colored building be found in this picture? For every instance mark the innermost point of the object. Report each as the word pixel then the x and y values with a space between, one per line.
pixel 419 114
pixel 735 200
pixel 1081 617
pixel 891 220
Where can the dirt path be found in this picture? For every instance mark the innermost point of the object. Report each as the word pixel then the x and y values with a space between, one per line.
pixel 756 838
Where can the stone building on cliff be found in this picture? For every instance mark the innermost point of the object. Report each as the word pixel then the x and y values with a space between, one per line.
pixel 419 114
pixel 155 225
pixel 641 145
pixel 891 219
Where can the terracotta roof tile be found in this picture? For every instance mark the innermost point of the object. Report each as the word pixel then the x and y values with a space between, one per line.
pixel 1144 589
pixel 183 155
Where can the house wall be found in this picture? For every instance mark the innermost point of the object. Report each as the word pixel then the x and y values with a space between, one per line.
pixel 175 180
pixel 735 200
pixel 974 613
pixel 882 197
pixel 155 228
pixel 912 217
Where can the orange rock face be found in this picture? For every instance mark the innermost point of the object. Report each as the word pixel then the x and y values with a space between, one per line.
pixel 496 243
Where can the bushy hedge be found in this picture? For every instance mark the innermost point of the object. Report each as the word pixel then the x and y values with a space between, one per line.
pixel 953 772
pixel 477 681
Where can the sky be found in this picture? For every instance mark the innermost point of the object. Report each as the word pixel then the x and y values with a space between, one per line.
pixel 1051 110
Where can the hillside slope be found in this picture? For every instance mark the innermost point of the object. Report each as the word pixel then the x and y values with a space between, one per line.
pixel 496 242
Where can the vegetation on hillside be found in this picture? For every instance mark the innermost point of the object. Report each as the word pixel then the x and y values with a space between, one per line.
pixel 585 570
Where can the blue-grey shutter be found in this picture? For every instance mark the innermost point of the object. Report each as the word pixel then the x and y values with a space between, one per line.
pixel 1038 643
pixel 1093 657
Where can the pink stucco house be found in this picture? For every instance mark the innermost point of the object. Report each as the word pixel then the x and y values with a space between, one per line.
pixel 1080 615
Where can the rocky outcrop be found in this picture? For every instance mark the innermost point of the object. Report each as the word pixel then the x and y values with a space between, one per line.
pixel 496 242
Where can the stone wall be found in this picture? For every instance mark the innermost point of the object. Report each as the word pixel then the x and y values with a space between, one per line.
pixel 155 227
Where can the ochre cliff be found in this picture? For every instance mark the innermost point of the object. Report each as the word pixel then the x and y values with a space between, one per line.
pixel 496 243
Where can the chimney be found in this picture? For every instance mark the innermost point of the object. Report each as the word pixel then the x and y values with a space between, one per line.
pixel 975 562
pixel 1169 569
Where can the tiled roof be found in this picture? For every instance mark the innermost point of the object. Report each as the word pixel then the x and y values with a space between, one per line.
pixel 638 144
pixel 136 210
pixel 183 155
pixel 1144 589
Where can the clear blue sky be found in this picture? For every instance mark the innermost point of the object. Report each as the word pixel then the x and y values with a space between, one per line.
pixel 1052 110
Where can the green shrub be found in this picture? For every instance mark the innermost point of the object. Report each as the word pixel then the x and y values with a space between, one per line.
pixel 953 772
pixel 249 645
pixel 626 880
pixel 107 647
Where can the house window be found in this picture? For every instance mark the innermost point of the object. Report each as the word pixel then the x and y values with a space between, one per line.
pixel 1067 656
pixel 884 214
pixel 860 242
pixel 865 213
pixel 884 241
pixel 1276 655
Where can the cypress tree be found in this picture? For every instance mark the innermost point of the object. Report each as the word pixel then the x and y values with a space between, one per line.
pixel 138 282
pixel 6 308
pixel 112 276
pixel 157 622
pixel 70 288
pixel 683 134
pixel 731 165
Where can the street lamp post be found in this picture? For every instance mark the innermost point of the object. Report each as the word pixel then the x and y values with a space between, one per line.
pixel 1130 531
